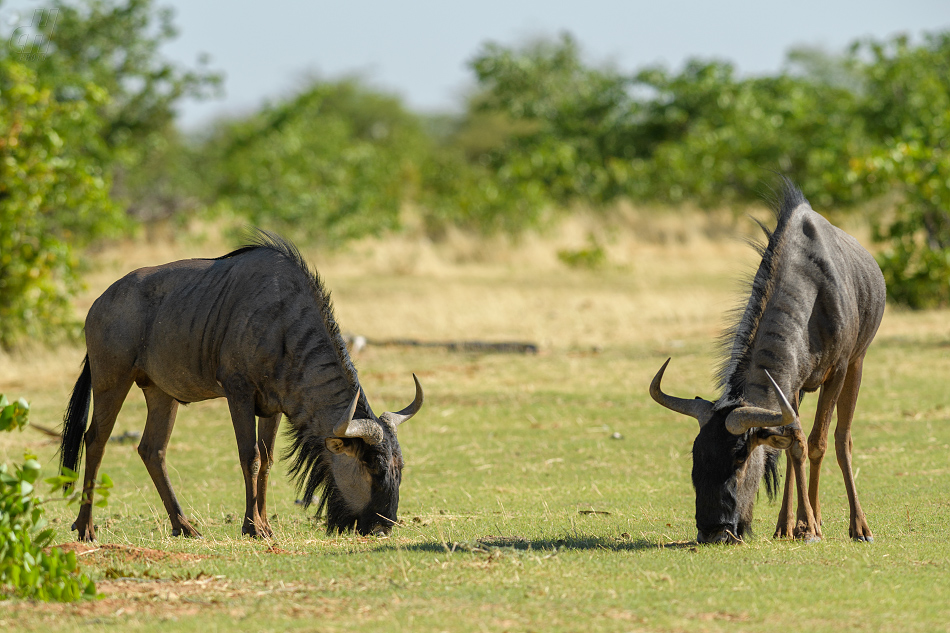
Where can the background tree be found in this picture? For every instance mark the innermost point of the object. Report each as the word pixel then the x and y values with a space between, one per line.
pixel 79 124
pixel 54 197
pixel 334 162
pixel 116 46
pixel 906 106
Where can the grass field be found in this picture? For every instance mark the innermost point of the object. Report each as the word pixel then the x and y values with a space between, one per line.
pixel 520 510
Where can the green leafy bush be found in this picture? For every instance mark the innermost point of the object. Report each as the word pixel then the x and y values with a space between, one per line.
pixel 572 126
pixel 26 569
pixel 54 197
pixel 907 107
pixel 334 162
pixel 13 415
pixel 80 125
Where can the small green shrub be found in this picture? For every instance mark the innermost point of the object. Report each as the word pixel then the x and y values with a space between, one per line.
pixel 13 416
pixel 591 257
pixel 26 570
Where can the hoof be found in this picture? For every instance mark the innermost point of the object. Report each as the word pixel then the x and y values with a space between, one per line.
pixel 84 536
pixel 257 533
pixel 863 539
pixel 187 532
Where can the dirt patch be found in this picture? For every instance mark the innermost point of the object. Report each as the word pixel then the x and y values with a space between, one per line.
pixel 168 599
pixel 95 553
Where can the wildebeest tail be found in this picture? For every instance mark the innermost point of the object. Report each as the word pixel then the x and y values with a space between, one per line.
pixel 75 418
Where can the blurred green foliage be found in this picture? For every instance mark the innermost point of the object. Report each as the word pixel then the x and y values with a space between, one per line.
pixel 592 256
pixel 332 163
pixel 115 45
pixel 574 127
pixel 907 108
pixel 54 196
pixel 86 110
pixel 87 132
pixel 846 128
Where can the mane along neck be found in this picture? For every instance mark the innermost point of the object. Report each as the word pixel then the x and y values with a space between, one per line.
pixel 737 341
pixel 262 239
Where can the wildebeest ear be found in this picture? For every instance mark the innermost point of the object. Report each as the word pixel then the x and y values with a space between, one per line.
pixel 772 437
pixel 341 447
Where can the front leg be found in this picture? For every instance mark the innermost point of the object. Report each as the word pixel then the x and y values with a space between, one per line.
pixel 806 527
pixel 785 526
pixel 858 528
pixel 267 433
pixel 241 404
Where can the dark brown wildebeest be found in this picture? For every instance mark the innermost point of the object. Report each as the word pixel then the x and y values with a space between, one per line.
pixel 815 305
pixel 255 326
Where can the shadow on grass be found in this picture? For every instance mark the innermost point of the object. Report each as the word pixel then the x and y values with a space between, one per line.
pixel 580 543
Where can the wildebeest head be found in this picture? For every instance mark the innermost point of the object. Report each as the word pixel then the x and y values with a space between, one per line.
pixel 365 468
pixel 357 468
pixel 737 446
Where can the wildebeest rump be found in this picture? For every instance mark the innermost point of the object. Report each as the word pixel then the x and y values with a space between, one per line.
pixel 255 326
pixel 816 303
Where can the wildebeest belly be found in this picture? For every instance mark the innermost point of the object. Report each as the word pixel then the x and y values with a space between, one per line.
pixel 176 378
pixel 182 350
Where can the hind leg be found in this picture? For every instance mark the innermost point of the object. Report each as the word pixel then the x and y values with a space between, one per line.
pixel 241 405
pixel 162 409
pixel 858 529
pixel 106 405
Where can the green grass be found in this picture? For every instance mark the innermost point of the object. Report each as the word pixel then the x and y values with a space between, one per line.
pixel 503 466
pixel 507 454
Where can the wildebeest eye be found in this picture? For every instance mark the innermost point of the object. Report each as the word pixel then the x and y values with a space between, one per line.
pixel 741 452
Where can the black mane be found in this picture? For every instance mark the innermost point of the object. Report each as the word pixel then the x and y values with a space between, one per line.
pixel 271 241
pixel 735 343
pixel 310 471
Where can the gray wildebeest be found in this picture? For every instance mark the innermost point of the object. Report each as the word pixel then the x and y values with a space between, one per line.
pixel 816 303
pixel 255 326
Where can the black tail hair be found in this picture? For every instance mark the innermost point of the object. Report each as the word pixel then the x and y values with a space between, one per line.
pixel 75 418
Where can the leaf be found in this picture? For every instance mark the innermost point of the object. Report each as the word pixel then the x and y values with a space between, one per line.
pixel 6 418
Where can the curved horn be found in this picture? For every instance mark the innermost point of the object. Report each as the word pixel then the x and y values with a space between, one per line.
pixel 367 430
pixel 745 418
pixel 397 418
pixel 696 408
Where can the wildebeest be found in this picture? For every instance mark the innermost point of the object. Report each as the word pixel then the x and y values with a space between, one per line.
pixel 257 327
pixel 815 305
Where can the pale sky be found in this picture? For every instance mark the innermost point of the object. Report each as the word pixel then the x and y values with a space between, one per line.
pixel 418 49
